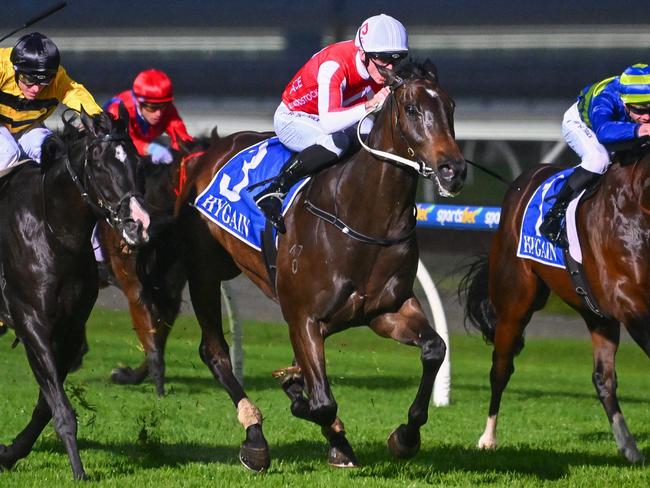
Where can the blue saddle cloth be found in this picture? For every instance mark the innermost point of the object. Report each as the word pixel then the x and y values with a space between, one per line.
pixel 532 244
pixel 226 201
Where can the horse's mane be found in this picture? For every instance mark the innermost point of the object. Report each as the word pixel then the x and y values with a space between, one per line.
pixel 410 68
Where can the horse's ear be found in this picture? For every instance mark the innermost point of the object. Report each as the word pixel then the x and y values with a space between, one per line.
pixel 87 121
pixel 123 114
pixel 431 69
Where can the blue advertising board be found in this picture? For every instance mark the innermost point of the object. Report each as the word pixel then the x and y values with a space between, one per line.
pixel 431 215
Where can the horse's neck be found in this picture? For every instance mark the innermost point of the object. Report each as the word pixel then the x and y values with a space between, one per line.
pixel 365 188
pixel 64 206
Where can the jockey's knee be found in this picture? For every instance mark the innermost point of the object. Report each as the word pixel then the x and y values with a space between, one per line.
pixel 337 143
pixel 32 141
pixel 596 161
pixel 9 149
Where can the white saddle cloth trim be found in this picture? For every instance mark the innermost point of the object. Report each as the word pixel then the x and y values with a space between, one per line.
pixel 572 229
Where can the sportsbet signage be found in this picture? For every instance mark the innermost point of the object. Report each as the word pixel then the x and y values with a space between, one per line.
pixel 458 216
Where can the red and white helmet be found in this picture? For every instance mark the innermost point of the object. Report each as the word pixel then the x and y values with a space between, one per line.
pixel 382 34
pixel 153 86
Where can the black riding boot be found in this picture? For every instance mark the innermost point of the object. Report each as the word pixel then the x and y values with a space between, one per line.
pixel 551 227
pixel 307 162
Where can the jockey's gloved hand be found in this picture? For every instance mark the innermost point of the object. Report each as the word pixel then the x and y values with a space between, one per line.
pixel 159 153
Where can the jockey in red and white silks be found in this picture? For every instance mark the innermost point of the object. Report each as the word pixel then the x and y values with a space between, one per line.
pixel 328 95
pixel 327 98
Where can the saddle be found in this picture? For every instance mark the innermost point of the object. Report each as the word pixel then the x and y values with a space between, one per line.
pixel 573 266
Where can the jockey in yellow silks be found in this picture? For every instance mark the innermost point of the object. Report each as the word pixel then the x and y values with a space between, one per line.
pixel 32 84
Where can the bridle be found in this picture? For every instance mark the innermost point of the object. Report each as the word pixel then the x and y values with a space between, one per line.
pixel 420 167
pixel 101 207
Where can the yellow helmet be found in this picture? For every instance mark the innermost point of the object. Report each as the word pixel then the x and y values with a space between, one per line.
pixel 634 84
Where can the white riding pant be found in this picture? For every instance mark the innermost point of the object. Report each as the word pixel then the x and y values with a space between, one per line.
pixel 594 157
pixel 17 149
pixel 299 130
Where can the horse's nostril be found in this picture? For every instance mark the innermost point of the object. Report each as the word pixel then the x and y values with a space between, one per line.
pixel 446 172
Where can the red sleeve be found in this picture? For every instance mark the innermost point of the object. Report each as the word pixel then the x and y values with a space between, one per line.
pixel 176 129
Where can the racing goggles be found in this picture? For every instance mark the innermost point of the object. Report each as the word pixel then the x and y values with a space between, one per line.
pixel 32 79
pixel 388 58
pixel 154 107
pixel 639 109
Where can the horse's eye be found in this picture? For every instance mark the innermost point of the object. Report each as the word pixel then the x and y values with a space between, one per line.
pixel 412 111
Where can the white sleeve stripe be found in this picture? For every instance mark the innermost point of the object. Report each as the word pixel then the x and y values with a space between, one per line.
pixel 325 73
pixel 339 118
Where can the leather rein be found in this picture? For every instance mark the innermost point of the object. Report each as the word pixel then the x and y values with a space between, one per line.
pixel 421 168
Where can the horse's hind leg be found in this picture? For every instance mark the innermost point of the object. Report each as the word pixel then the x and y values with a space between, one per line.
pixel 605 335
pixel 24 441
pixel 513 307
pixel 410 326
pixel 204 283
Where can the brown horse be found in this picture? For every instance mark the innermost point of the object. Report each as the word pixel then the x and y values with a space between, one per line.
pixel 328 281
pixel 154 303
pixel 504 291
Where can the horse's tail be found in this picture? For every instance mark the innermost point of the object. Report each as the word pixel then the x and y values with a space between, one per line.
pixel 161 274
pixel 479 311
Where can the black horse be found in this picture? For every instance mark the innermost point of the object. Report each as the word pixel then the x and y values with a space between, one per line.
pixel 50 280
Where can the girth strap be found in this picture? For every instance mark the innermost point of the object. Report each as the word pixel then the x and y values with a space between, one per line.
pixel 577 274
pixel 343 227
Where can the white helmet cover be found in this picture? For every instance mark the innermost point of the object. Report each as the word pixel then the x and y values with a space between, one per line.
pixel 382 34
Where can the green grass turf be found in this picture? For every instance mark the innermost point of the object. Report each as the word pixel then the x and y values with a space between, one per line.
pixel 552 432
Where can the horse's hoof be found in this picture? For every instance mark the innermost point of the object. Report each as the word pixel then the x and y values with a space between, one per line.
pixel 399 444
pixel 633 455
pixel 486 443
pixel 7 460
pixel 342 457
pixel 255 458
pixel 125 376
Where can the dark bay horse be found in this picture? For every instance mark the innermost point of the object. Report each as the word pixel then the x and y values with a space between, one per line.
pixel 328 280
pixel 504 291
pixel 154 303
pixel 48 267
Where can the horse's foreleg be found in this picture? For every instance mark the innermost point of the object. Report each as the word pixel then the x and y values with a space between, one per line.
pixel 293 384
pixel 410 326
pixel 605 336
pixel 50 381
pixel 309 348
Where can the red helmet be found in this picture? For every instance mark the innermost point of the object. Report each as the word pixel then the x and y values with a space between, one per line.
pixel 153 86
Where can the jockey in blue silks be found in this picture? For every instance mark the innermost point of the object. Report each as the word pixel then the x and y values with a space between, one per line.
pixel 611 114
